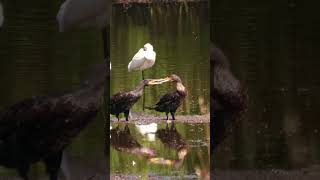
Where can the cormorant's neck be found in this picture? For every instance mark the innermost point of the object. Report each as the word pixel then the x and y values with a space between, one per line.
pixel 139 89
pixel 180 88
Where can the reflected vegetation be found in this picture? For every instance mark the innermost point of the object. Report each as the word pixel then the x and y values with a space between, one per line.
pixel 178 150
pixel 123 141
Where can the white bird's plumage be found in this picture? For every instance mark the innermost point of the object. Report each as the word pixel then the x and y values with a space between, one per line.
pixel 143 59
pixel 1 15
pixel 83 13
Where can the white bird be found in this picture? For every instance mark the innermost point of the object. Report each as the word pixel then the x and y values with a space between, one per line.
pixel 1 15
pixel 143 59
pixel 85 13
pixel 148 129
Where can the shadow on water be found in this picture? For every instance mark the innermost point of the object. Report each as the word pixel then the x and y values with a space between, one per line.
pixel 162 150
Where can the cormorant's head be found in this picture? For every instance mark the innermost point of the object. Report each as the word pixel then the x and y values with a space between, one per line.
pixel 148 47
pixel 172 78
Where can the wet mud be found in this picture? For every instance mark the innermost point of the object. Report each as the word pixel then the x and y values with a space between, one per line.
pixel 144 118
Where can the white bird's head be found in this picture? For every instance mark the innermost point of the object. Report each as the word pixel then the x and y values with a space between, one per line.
pixel 148 47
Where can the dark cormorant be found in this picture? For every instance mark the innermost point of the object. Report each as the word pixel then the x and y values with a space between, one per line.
pixel 228 96
pixel 39 128
pixel 123 101
pixel 171 101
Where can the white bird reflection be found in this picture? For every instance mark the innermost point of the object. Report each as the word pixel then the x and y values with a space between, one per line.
pixel 148 130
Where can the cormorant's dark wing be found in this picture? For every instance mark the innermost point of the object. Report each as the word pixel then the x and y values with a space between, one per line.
pixel 28 113
pixel 122 100
pixel 167 99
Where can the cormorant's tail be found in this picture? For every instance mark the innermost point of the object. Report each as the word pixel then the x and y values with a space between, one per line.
pixel 149 108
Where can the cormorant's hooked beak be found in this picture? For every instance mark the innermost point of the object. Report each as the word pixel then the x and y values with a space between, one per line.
pixel 159 81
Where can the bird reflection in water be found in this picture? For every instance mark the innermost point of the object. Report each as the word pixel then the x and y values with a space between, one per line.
pixel 170 137
pixel 123 141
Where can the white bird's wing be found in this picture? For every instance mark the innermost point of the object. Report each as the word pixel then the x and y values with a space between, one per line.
pixel 75 13
pixel 150 55
pixel 137 60
pixel 149 60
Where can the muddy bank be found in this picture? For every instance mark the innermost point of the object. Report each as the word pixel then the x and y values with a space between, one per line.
pixel 275 174
pixel 144 118
pixel 150 177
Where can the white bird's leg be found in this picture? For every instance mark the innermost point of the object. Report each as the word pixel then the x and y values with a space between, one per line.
pixel 144 94
pixel 142 75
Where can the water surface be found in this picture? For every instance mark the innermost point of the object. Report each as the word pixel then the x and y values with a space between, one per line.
pixel 272 47
pixel 174 149
pixel 180 37
pixel 179 34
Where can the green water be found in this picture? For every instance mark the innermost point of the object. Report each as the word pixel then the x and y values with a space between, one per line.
pixel 273 50
pixel 180 36
pixel 194 136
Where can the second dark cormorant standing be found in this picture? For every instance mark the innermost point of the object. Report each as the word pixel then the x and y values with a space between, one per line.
pixel 170 102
